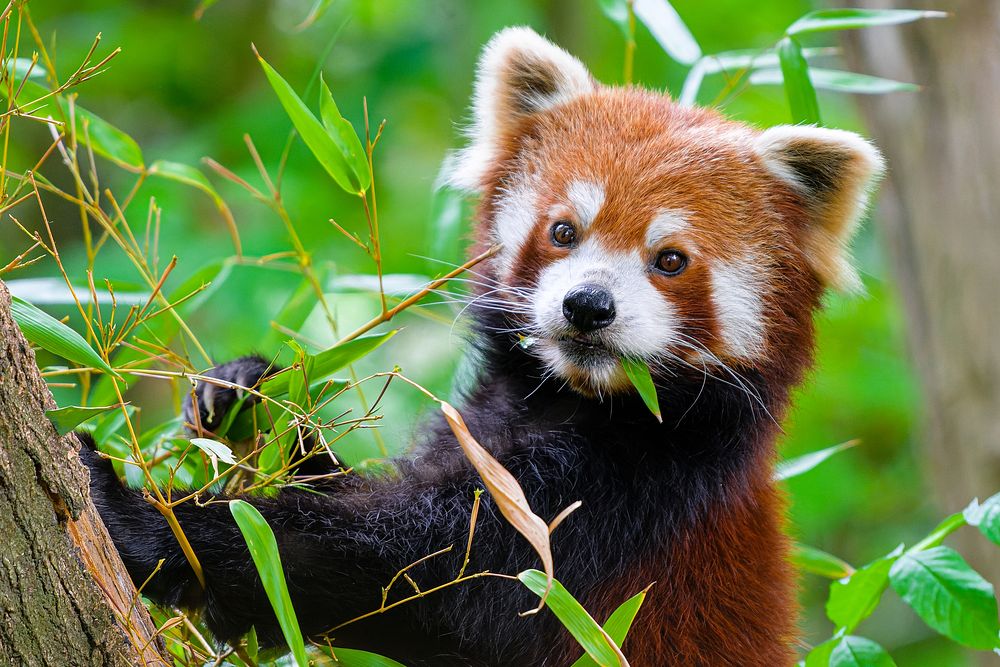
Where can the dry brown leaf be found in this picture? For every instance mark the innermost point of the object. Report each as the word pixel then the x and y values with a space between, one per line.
pixel 506 492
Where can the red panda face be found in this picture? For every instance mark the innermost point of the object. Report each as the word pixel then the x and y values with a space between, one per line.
pixel 633 227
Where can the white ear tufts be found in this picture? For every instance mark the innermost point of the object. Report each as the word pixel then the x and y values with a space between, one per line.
pixel 834 172
pixel 520 73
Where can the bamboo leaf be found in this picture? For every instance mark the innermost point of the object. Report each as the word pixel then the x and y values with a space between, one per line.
pixel 264 551
pixel 617 625
pixel 347 657
pixel 188 175
pixel 617 12
pixel 214 449
pixel 68 418
pixel 329 361
pixel 343 134
pixel 324 148
pixel 585 630
pixel 640 377
pixel 50 334
pixel 668 29
pixel 798 87
pixel 816 561
pixel 849 19
pixel 838 81
pixel 803 464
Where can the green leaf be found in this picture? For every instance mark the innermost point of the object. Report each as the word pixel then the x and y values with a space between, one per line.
pixel 215 449
pixel 803 464
pixel 853 598
pixel 820 655
pixel 324 148
pixel 948 595
pixel 104 138
pixel 264 551
pixel 985 517
pixel 448 212
pixel 838 81
pixel 816 561
pixel 640 377
pixel 182 173
pixel 574 618
pixel 617 11
pixel 343 134
pixel 315 13
pixel 329 361
pixel 848 19
pixel 798 87
pixel 68 418
pixel 617 625
pixel 668 29
pixel 348 657
pixel 293 314
pixel 50 334
pixel 852 651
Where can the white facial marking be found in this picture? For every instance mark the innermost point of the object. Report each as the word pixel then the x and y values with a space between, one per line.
pixel 644 324
pixel 736 292
pixel 587 198
pixel 515 218
pixel 667 224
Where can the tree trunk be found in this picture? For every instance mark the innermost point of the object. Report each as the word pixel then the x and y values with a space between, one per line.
pixel 65 598
pixel 939 218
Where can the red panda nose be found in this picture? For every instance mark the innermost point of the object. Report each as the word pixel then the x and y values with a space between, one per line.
pixel 589 307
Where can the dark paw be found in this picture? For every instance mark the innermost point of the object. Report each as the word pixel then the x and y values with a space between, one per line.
pixel 214 401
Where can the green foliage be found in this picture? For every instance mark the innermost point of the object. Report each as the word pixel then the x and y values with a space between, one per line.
pixel 50 334
pixel 640 377
pixel 617 625
pixel 264 551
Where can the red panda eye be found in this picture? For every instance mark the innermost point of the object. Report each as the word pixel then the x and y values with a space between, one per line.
pixel 671 262
pixel 563 233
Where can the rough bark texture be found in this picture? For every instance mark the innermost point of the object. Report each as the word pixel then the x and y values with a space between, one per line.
pixel 939 215
pixel 65 598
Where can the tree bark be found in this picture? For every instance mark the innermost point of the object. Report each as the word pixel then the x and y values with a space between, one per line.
pixel 65 598
pixel 939 218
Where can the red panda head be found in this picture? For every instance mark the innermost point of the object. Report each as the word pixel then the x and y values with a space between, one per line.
pixel 631 226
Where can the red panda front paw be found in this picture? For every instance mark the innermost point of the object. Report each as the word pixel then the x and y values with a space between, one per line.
pixel 214 400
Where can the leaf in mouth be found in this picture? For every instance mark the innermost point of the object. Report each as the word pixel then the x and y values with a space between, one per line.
pixel 638 373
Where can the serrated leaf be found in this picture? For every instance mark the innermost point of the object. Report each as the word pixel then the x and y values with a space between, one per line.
pixel 798 87
pixel 838 81
pixel 948 595
pixel 50 334
pixel 852 651
pixel 347 657
pixel 853 598
pixel 640 377
pixel 324 148
pixel 215 449
pixel 816 561
pixel 668 29
pixel 585 630
pixel 985 517
pixel 802 464
pixel 329 361
pixel 68 418
pixel 264 551
pixel 617 625
pixel 343 134
pixel 849 19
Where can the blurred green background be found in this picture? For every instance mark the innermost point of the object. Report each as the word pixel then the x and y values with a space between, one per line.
pixel 186 88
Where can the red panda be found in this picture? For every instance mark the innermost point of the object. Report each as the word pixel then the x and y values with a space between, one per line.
pixel 632 227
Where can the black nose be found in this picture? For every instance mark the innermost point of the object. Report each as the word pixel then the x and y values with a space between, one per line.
pixel 589 307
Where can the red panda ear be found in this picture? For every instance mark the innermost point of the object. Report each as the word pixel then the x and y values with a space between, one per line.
pixel 834 172
pixel 520 73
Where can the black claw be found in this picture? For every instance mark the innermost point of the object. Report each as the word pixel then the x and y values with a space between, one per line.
pixel 214 401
